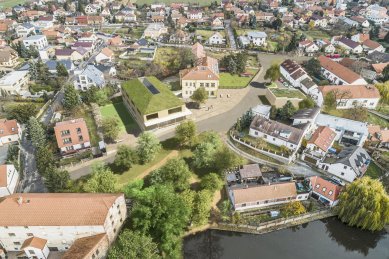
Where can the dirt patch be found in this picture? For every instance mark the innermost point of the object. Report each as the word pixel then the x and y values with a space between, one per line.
pixel 171 155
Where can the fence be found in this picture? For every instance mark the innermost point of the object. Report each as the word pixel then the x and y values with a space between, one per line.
pixel 279 223
pixel 280 157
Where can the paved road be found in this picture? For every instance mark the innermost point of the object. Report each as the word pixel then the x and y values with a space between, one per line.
pixel 230 33
pixel 32 181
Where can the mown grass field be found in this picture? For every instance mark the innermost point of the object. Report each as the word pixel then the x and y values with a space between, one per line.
pixel 118 110
pixel 11 3
pixel 287 93
pixel 229 81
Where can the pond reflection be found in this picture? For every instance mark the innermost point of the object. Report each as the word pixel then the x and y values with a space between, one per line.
pixel 327 238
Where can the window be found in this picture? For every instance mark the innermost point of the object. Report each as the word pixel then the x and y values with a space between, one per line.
pixel 53 249
pixel 17 243
pixel 330 193
pixel 345 167
pixel 78 130
pixel 67 140
pixel 30 234
pixel 256 133
pixel 65 132
pixel 11 234
pixel 341 173
pixel 174 110
pixel 93 256
pixel 324 189
pixel 97 251
pixel 80 138
pixel 274 139
pixel 317 186
pixel 114 230
pixel 244 205
pixel 152 116
pixel 31 252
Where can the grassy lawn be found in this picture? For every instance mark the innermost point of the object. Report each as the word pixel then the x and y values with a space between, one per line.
pixel 206 34
pixel 316 34
pixel 243 32
pixel 374 171
pixel 11 3
pixel 137 170
pixel 290 93
pixel 126 122
pixel 273 46
pixel 229 81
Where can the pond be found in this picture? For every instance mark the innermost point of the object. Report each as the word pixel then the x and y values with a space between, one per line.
pixel 328 238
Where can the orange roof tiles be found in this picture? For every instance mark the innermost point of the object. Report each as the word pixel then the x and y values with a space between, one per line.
pixel 354 91
pixel 82 247
pixel 35 242
pixel 72 126
pixel 338 70
pixel 3 176
pixel 379 67
pixel 8 127
pixel 371 44
pixel 65 209
pixel 326 188
pixel 323 137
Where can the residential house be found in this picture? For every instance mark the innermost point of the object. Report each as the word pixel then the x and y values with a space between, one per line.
pixel 152 104
pixel 9 178
pixel 217 24
pixel 10 131
pixel 89 46
pixel 361 21
pixel 154 30
pixel 319 21
pixel 349 96
pixel 347 131
pixel 360 37
pixel 195 14
pixel 44 23
pixel 216 39
pixel 378 136
pixel 179 36
pixel 305 117
pixel 52 65
pixel 8 57
pixel 115 41
pixel 257 38
pixel 329 49
pixel 276 133
pixel 14 82
pixel 379 68
pixel 378 57
pixel 264 16
pixel 64 54
pixel 37 41
pixel 261 110
pixel 325 190
pixel 72 216
pixel 259 196
pixel 198 51
pixel 106 55
pixel 377 14
pixel 339 74
pixel 92 9
pixel 371 46
pixel 318 145
pixel 349 22
pixel 350 45
pixel 95 246
pixel 309 47
pixel 204 74
pixel 72 136
pixel 88 77
pixel 108 70
pixel 24 30
pixel 350 163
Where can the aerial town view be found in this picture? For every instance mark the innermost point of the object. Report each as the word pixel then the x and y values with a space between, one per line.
pixel 195 129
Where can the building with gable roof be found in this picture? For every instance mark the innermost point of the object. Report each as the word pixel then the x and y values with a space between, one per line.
pixel 325 190
pixel 88 77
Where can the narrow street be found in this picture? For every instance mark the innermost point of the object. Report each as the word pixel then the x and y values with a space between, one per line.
pixel 230 33
pixel 32 181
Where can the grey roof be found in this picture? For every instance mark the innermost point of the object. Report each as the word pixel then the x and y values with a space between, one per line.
pixel 52 64
pixel 94 74
pixel 27 25
pixel 310 113
pixel 257 34
pixel 378 57
pixel 36 37
pixel 308 83
pixel 250 171
pixel 354 157
pixel 63 52
pixel 352 44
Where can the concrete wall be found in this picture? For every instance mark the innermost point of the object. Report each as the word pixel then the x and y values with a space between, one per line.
pixel 278 102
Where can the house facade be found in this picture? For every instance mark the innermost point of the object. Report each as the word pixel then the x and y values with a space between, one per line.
pixel 325 190
pixel 72 216
pixel 9 178
pixel 318 145
pixel 8 58
pixel 72 136
pixel 351 163
pixel 14 82
pixel 89 77
pixel 37 41
pixel 216 39
pixel 10 131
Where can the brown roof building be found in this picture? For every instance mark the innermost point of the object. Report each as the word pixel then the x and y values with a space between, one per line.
pixel 352 91
pixel 325 190
pixel 9 131
pixel 322 138
pixel 72 136
pixel 88 247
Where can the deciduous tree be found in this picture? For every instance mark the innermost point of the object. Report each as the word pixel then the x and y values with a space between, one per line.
pixel 148 147
pixel 185 133
pixel 364 203
pixel 134 245
pixel 61 70
pixel 211 182
pixel 110 127
pixel 56 180
pixel 125 157
pixel 36 133
pixel 273 73
pixel 199 96
pixel 102 180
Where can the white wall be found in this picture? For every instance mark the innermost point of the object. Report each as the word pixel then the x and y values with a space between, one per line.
pixel 273 140
pixel 350 103
pixel 341 171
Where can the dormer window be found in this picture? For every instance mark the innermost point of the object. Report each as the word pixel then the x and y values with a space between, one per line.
pixel 330 193
pixel 317 186
pixel 324 189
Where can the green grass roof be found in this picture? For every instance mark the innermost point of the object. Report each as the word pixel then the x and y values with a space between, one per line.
pixel 145 101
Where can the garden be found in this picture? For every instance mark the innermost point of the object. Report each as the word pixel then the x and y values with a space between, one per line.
pixel 289 93
pixel 234 81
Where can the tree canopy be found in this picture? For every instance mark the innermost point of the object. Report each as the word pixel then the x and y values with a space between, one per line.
pixel 364 203
pixel 185 133
pixel 102 180
pixel 71 98
pixel 110 127
pixel 199 96
pixel 125 157
pixel 134 245
pixel 211 182
pixel 383 88
pixel 148 147
pixel 36 133
pixel 273 73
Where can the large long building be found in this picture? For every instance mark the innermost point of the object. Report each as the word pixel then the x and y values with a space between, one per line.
pixel 59 219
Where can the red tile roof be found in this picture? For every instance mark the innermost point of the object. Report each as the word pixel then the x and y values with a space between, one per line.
pixel 72 126
pixel 341 71
pixel 354 91
pixel 326 188
pixel 8 127
pixel 323 137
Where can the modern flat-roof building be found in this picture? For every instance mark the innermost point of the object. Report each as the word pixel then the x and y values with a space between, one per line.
pixel 14 82
pixel 152 104
pixel 347 131
pixel 37 41
pixel 58 219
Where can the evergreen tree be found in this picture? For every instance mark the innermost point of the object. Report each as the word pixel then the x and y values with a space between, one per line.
pixel 148 147
pixel 71 98
pixel 36 133
pixel 56 180
pixel 61 70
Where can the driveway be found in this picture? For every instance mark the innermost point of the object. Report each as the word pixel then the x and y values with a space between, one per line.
pixel 230 34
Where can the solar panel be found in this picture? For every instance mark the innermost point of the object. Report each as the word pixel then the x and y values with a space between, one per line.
pixel 150 86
